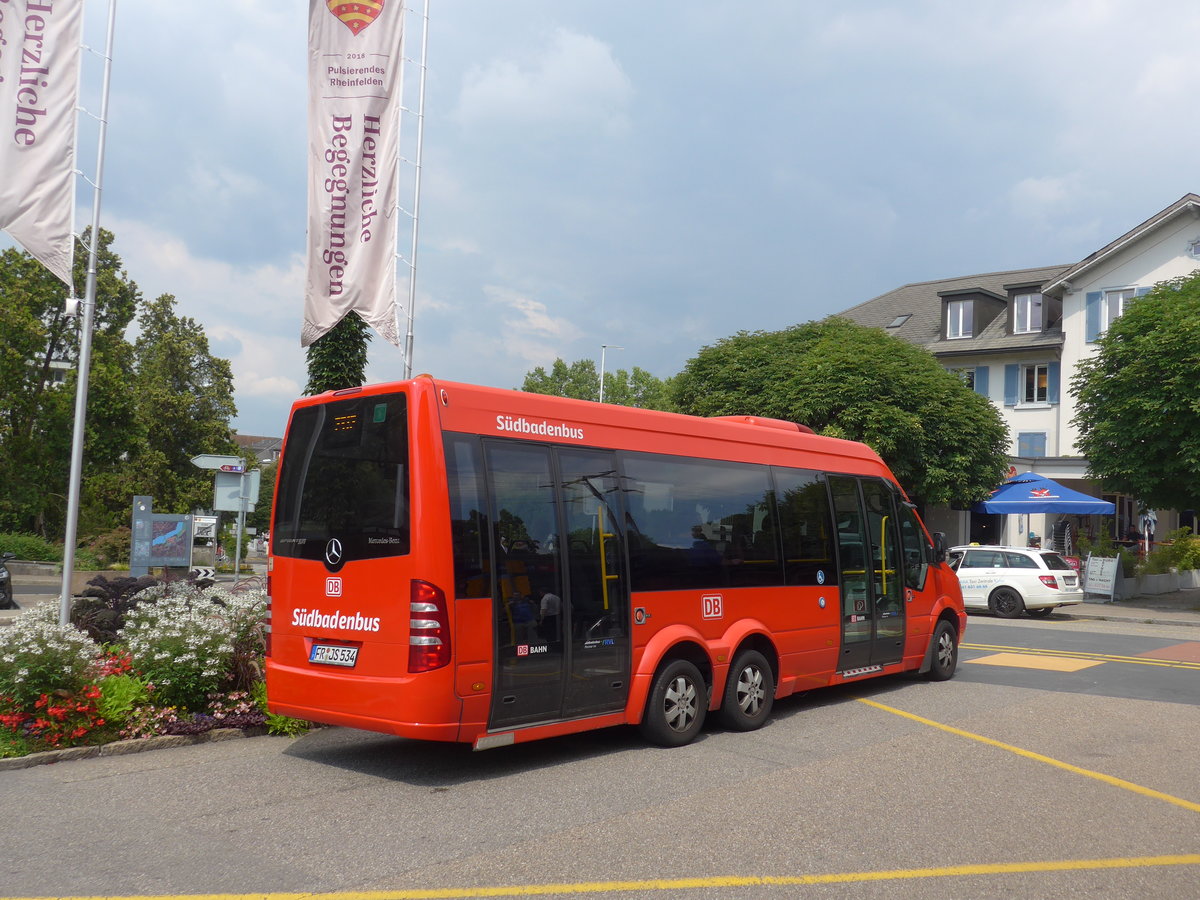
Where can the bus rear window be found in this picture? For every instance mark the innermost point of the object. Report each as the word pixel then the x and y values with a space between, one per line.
pixel 344 476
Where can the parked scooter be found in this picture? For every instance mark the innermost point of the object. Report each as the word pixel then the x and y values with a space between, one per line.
pixel 6 591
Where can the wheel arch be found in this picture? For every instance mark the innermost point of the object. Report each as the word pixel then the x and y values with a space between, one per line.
pixel 670 644
pixel 950 615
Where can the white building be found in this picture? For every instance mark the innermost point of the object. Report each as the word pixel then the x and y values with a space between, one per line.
pixel 1018 336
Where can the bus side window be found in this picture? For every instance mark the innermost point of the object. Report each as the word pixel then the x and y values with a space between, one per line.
pixel 807 530
pixel 917 552
pixel 468 516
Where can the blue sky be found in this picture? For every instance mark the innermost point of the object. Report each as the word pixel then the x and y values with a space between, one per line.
pixel 650 175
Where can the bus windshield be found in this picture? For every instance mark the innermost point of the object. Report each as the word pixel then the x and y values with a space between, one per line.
pixel 344 477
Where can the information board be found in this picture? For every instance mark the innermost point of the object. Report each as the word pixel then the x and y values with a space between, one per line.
pixel 1100 576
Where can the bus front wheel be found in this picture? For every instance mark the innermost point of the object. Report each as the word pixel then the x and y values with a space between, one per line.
pixel 749 692
pixel 676 706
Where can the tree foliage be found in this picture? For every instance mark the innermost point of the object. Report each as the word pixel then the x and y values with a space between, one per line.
pixel 945 443
pixel 338 358
pixel 152 404
pixel 1138 399
pixel 581 381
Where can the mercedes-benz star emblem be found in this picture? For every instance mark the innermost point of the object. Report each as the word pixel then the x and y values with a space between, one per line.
pixel 333 552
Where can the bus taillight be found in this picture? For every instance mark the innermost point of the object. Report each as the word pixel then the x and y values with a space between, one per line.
pixel 429 628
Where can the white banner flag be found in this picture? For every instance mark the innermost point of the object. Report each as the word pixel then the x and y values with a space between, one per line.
pixel 39 84
pixel 354 86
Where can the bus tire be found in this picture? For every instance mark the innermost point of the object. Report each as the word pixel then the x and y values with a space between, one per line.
pixel 749 692
pixel 944 659
pixel 676 706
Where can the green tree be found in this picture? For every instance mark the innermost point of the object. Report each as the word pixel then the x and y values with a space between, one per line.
pixel 184 406
pixel 581 381
pixel 338 358
pixel 36 407
pixel 260 519
pixel 945 443
pixel 578 380
pixel 1138 399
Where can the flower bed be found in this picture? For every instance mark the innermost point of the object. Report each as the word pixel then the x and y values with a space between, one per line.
pixel 140 659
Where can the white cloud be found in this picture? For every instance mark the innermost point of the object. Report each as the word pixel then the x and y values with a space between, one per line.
pixel 573 82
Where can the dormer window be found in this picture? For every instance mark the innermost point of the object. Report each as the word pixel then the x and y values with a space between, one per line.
pixel 959 319
pixel 1027 313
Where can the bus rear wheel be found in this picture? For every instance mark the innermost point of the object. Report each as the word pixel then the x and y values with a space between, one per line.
pixel 676 706
pixel 749 692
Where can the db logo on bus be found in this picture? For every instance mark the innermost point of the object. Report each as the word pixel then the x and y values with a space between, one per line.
pixel 712 606
pixel 333 587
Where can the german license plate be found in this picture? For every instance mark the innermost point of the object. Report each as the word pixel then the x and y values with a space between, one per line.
pixel 333 655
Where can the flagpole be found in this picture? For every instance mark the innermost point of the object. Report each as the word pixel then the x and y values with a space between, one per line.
pixel 85 340
pixel 412 260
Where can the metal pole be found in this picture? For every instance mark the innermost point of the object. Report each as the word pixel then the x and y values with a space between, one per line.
pixel 241 525
pixel 603 350
pixel 412 259
pixel 85 341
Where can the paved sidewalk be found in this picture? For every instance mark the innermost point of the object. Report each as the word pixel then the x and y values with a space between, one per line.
pixel 1175 608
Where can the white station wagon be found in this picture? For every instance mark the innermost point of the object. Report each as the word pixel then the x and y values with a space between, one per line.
pixel 1012 580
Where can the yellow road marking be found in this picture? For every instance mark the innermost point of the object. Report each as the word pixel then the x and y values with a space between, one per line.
pixel 1048 760
pixel 680 884
pixel 1034 661
pixel 1078 654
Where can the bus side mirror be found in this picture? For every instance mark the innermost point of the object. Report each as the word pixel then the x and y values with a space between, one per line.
pixel 939 546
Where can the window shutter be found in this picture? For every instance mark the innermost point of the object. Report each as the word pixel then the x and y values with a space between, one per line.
pixel 1092 310
pixel 1012 378
pixel 981 380
pixel 1052 376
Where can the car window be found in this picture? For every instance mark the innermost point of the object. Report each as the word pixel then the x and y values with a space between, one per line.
pixel 1020 561
pixel 980 559
pixel 1054 561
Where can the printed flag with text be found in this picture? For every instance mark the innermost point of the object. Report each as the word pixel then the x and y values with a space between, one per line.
pixel 39 84
pixel 354 88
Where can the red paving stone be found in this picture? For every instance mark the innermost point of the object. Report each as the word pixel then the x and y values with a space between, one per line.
pixel 1189 652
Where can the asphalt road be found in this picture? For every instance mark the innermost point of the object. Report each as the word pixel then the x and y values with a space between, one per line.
pixel 1038 776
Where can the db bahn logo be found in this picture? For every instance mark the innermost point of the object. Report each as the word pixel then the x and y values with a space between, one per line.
pixel 712 606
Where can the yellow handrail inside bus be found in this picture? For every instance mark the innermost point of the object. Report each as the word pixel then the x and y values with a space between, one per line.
pixel 883 552
pixel 605 578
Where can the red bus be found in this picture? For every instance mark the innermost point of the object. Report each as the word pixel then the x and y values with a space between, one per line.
pixel 461 563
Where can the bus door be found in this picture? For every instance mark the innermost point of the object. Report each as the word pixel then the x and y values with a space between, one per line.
pixel 560 597
pixel 597 619
pixel 872 572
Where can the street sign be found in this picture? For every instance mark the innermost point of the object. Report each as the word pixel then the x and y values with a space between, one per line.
pixel 227 491
pixel 237 469
pixel 216 461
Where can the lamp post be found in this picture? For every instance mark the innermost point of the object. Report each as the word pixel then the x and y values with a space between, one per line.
pixel 603 350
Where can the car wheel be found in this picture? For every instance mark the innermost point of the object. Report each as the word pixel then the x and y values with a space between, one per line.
pixel 1043 613
pixel 1006 603
pixel 749 692
pixel 676 706
pixel 945 652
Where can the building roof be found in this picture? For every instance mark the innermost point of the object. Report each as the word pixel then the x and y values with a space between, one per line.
pixel 921 302
pixel 1188 203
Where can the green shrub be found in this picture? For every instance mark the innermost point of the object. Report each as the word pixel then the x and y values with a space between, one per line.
pixel 1179 550
pixel 31 547
pixel 277 724
pixel 38 656
pixel 111 549
pixel 120 695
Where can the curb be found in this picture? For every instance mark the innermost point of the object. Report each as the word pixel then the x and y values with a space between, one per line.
pixel 124 748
